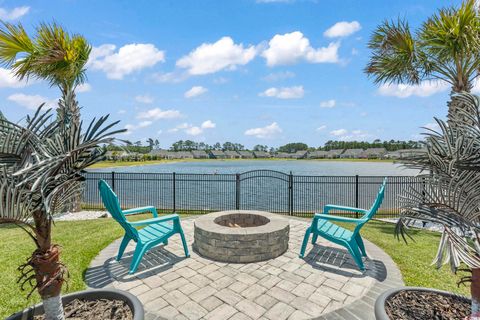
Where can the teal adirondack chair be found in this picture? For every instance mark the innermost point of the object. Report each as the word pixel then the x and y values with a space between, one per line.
pixel 322 225
pixel 157 230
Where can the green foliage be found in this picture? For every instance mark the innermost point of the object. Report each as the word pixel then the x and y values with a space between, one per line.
pixel 52 55
pixel 446 47
pixel 293 147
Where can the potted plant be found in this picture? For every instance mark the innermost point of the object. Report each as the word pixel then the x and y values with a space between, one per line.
pixel 41 160
pixel 450 197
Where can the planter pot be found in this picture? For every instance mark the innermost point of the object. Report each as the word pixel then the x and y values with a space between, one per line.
pixel 381 314
pixel 112 294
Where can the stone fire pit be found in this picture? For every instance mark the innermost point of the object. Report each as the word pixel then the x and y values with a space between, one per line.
pixel 241 236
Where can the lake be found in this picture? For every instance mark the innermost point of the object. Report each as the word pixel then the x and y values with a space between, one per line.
pixel 297 167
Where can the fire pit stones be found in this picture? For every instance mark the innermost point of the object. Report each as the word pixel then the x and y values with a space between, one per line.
pixel 241 236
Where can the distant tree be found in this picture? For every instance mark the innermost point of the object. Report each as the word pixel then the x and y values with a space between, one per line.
pixel 138 143
pixel 217 146
pixel 293 147
pixel 156 144
pixel 260 147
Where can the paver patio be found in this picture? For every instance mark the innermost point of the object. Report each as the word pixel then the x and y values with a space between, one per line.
pixel 326 284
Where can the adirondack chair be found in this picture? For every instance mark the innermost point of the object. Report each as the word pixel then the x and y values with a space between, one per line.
pixel 157 230
pixel 323 225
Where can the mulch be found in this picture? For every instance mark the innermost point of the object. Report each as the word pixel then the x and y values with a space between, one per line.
pixel 101 309
pixel 416 305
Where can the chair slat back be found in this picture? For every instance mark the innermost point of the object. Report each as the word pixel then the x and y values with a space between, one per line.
pixel 110 201
pixel 374 208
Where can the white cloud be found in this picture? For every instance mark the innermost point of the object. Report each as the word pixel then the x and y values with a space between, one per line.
pixel 208 124
pixel 31 101
pixel 342 29
pixel 424 89
pixel 476 86
pixel 157 113
pixel 296 92
pixel 277 76
pixel 345 135
pixel 321 128
pixel 195 91
pixel 13 14
pixel 264 132
pixel 147 99
pixel 213 57
pixel 338 132
pixel 83 88
pixel 194 130
pixel 129 58
pixel 133 127
pixel 8 80
pixel 291 47
pixel 328 103
pixel 122 111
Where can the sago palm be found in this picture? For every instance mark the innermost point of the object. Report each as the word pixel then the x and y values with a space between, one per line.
pixel 445 48
pixel 451 196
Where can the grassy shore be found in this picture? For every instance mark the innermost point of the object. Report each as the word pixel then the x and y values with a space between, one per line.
pixel 81 241
pixel 113 164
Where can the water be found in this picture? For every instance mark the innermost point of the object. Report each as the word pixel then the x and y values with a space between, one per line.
pixel 297 167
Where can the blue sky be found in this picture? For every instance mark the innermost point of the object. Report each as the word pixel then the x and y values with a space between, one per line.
pixel 254 72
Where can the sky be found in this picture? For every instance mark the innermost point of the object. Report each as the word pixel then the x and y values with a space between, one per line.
pixel 253 72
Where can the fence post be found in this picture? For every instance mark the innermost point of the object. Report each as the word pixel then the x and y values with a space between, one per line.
pixel 290 193
pixel 113 181
pixel 174 193
pixel 237 191
pixel 356 194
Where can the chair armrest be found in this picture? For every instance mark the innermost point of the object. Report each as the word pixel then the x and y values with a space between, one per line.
pixel 154 220
pixel 152 209
pixel 329 207
pixel 337 218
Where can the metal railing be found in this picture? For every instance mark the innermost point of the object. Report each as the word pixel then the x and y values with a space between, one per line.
pixel 273 191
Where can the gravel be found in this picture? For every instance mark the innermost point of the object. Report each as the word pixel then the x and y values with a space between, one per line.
pixel 81 215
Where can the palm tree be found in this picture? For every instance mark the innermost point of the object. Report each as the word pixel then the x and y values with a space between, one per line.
pixel 52 55
pixel 446 48
pixel 41 161
pixel 451 194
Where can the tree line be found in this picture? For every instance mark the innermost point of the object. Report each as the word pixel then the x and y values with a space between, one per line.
pixel 189 145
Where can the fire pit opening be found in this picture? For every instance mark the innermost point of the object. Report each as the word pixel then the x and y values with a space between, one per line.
pixel 241 220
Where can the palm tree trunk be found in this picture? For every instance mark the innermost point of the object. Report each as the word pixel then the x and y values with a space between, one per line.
pixel 48 270
pixel 475 292
pixel 49 277
pixel 455 106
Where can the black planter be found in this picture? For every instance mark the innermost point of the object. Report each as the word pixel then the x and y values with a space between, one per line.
pixel 381 314
pixel 113 294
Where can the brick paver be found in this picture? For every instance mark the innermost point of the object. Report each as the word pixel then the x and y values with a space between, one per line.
pixel 323 284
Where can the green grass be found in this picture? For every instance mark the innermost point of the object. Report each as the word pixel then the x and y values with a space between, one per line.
pixel 81 241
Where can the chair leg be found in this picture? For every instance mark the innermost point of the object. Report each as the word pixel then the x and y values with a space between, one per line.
pixel 355 253
pixel 361 246
pixel 305 241
pixel 184 242
pixel 137 257
pixel 123 245
pixel 314 238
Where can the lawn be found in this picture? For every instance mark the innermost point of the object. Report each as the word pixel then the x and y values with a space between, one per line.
pixel 81 241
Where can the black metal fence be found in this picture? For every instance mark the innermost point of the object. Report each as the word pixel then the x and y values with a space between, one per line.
pixel 267 190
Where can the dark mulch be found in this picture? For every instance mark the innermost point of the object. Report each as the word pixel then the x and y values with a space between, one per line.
pixel 416 305
pixel 101 309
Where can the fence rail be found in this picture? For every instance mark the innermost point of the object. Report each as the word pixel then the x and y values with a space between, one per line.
pixel 273 191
